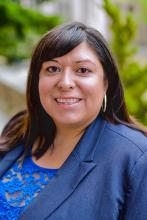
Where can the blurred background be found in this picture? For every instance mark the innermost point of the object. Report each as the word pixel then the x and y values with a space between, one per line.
pixel 122 22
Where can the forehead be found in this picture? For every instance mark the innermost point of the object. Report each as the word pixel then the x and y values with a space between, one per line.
pixel 81 52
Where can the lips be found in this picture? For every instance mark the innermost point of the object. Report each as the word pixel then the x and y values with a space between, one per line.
pixel 67 101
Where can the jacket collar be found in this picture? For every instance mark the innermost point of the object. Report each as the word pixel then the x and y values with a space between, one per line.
pixel 79 164
pixel 7 161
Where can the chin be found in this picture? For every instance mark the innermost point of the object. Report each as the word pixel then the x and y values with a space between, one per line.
pixel 68 123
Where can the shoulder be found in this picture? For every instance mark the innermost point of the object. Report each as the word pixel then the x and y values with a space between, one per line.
pixel 127 135
pixel 122 150
pixel 121 145
pixel 12 153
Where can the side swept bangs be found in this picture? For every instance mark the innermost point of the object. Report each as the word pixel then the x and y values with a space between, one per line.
pixel 60 41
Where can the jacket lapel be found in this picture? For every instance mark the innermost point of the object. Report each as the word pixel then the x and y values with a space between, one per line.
pixel 9 159
pixel 62 185
pixel 58 190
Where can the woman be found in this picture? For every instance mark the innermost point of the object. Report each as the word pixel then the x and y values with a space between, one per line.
pixel 75 153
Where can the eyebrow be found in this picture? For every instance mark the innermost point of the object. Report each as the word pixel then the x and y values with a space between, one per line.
pixel 77 61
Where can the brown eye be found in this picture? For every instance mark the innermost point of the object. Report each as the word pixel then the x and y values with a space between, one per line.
pixel 53 69
pixel 83 70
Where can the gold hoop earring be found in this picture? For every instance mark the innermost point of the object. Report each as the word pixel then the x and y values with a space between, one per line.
pixel 105 103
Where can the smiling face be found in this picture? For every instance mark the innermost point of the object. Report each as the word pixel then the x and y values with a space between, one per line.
pixel 72 87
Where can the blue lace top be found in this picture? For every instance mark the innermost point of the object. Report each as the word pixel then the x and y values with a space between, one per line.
pixel 19 185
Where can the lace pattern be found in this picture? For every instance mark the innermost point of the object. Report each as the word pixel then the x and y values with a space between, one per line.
pixel 20 185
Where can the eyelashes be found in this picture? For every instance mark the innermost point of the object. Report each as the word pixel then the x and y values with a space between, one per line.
pixel 56 69
pixel 83 70
pixel 53 69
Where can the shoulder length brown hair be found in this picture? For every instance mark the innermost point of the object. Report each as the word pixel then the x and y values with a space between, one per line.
pixel 34 123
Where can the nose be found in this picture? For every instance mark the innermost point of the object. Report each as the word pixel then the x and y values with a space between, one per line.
pixel 66 81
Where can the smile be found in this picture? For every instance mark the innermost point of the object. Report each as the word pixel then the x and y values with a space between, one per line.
pixel 67 101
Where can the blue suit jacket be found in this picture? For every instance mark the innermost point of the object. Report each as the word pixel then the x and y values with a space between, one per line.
pixel 104 178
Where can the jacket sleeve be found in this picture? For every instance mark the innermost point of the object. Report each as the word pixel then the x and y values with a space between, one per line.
pixel 136 197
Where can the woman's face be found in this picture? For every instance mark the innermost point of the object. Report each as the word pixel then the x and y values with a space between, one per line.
pixel 72 87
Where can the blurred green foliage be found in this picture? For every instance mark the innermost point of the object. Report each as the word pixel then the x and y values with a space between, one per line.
pixel 141 9
pixel 134 76
pixel 20 28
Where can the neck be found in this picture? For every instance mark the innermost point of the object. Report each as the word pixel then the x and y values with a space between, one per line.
pixel 67 138
pixel 64 143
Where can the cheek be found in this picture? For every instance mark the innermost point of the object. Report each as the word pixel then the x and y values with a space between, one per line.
pixel 95 88
pixel 43 92
pixel 44 86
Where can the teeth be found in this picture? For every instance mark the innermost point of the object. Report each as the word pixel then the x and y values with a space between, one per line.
pixel 68 100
